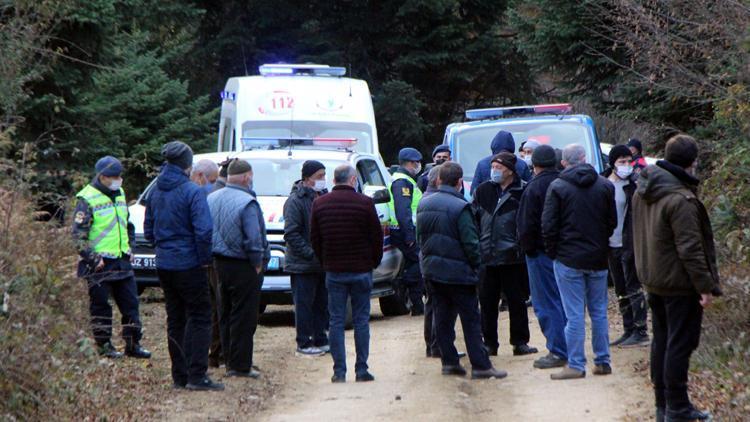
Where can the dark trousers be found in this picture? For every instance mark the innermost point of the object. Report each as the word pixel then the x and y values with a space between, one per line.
pixel 188 322
pixel 215 357
pixel 310 309
pixel 630 297
pixel 125 294
pixel 451 301
pixel 430 337
pixel 511 280
pixel 676 324
pixel 411 275
pixel 239 299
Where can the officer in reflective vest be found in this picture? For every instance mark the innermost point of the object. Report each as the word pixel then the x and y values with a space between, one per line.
pixel 104 235
pixel 405 196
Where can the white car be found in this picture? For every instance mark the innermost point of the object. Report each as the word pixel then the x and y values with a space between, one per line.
pixel 275 170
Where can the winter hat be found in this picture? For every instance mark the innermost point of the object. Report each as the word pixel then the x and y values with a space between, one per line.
pixel 531 144
pixel 310 167
pixel 441 148
pixel 409 154
pixel 178 153
pixel 681 150
pixel 633 142
pixel 507 159
pixel 239 167
pixel 108 166
pixel 617 152
pixel 544 156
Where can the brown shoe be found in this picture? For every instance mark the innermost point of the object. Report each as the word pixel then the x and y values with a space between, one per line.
pixel 568 373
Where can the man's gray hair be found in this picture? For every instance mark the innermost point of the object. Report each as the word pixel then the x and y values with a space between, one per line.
pixel 343 173
pixel 574 154
pixel 206 167
pixel 432 176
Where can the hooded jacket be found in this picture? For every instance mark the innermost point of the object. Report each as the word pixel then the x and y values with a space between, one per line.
pixel 672 235
pixel 579 217
pixel 503 141
pixel 300 256
pixel 178 221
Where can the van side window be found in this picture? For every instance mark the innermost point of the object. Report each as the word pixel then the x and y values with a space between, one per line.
pixel 370 173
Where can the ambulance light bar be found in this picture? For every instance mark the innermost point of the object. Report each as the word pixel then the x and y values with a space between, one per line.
pixel 300 69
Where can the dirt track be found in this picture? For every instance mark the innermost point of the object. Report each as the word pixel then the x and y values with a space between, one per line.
pixel 408 386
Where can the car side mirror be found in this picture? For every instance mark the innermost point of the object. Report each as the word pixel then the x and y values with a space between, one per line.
pixel 379 194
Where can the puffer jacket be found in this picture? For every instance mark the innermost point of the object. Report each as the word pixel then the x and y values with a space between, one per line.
pixel 178 221
pixel 300 256
pixel 495 212
pixel 672 235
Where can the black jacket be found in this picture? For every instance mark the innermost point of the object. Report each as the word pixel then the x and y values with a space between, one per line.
pixel 529 219
pixel 627 225
pixel 495 213
pixel 579 217
pixel 300 257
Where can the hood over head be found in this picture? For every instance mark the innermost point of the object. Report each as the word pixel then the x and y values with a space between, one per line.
pixel 503 141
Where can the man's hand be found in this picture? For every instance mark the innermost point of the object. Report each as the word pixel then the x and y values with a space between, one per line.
pixel 99 265
pixel 706 299
pixel 258 268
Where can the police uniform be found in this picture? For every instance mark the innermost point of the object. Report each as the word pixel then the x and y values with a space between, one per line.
pixel 405 196
pixel 102 231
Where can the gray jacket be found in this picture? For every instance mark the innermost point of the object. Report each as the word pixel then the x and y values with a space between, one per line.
pixel 300 257
pixel 239 229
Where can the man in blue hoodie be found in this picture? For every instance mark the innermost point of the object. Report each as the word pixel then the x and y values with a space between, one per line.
pixel 503 141
pixel 178 223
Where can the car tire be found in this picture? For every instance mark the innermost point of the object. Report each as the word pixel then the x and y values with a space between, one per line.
pixel 394 305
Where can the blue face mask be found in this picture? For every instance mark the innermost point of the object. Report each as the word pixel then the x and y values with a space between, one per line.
pixel 496 176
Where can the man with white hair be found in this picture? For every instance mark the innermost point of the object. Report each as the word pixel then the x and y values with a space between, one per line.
pixel 578 219
pixel 204 174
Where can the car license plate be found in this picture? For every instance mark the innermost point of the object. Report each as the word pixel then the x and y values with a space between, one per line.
pixel 144 262
pixel 273 264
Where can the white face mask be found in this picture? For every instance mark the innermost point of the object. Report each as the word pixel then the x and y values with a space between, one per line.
pixel 320 184
pixel 115 184
pixel 527 159
pixel 418 169
pixel 623 172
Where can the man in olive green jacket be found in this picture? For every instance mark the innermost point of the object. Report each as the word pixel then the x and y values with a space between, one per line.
pixel 676 262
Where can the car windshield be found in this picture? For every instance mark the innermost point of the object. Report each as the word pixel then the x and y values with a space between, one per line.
pixel 362 132
pixel 473 143
pixel 275 177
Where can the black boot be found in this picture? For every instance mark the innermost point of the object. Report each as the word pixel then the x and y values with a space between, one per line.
pixel 108 350
pixel 686 414
pixel 136 351
pixel 524 349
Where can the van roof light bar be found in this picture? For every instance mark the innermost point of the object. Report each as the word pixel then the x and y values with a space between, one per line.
pixel 249 143
pixel 300 69
pixel 497 112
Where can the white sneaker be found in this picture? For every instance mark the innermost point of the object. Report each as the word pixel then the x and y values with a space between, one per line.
pixel 326 348
pixel 310 351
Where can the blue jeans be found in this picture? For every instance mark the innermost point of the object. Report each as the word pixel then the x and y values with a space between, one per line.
pixel 545 296
pixel 310 309
pixel 581 290
pixel 341 287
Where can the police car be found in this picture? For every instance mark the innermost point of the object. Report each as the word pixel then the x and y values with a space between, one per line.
pixel 548 124
pixel 277 164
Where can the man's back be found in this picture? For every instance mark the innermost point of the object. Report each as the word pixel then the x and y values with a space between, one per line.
pixel 346 232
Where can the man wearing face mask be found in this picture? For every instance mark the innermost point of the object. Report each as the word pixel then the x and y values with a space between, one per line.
pixel 240 250
pixel 204 174
pixel 105 236
pixel 527 149
pixel 307 276
pixel 440 155
pixel 630 296
pixel 503 264
pixel 405 196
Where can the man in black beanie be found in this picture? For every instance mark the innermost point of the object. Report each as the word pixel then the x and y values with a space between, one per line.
pixel 307 275
pixel 676 262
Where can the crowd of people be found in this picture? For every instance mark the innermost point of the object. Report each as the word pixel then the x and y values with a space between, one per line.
pixel 542 226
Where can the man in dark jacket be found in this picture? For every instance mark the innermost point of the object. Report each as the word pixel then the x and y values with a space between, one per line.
pixel 348 240
pixel 578 219
pixel 106 256
pixel 636 149
pixel 503 141
pixel 676 262
pixel 495 206
pixel 621 258
pixel 178 223
pixel 440 155
pixel 307 276
pixel 239 247
pixel 545 295
pixel 450 260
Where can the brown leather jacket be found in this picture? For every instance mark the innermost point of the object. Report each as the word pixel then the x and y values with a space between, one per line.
pixel 673 239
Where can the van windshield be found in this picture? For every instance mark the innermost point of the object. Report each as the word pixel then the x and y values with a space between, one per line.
pixel 362 132
pixel 276 177
pixel 471 144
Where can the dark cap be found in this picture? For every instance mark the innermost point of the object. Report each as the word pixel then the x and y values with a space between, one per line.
pixel 310 167
pixel 178 153
pixel 633 142
pixel 441 148
pixel 681 150
pixel 617 152
pixel 108 166
pixel 507 159
pixel 239 167
pixel 409 154
pixel 544 156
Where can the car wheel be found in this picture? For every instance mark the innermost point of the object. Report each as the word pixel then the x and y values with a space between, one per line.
pixel 395 304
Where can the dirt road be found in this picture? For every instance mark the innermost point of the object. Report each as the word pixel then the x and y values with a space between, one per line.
pixel 408 386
